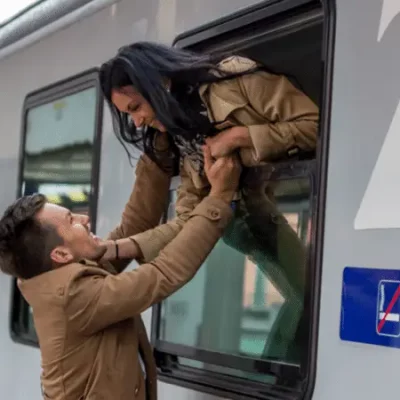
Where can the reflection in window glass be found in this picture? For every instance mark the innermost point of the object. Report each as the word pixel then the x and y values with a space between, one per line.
pixel 59 150
pixel 247 299
pixel 264 378
pixel 58 155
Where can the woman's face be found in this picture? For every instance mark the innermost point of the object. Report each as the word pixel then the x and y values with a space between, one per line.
pixel 129 101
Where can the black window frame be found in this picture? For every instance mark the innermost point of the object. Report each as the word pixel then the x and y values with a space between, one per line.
pixel 74 84
pixel 166 354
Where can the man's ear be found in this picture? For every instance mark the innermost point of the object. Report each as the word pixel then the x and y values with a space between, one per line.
pixel 61 255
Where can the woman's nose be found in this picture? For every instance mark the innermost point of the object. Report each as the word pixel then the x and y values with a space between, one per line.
pixel 137 120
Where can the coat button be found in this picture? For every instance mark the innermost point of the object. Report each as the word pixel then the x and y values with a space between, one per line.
pixel 60 291
pixel 214 214
pixel 136 391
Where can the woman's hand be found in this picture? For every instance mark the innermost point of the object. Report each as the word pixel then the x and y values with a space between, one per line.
pixel 109 250
pixel 229 140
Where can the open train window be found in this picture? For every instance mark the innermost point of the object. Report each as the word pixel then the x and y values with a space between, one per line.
pixel 246 325
pixel 59 158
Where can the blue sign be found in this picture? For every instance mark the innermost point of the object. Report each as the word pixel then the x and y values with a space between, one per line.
pixel 371 306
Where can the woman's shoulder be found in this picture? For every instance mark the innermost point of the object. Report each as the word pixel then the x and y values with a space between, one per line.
pixel 236 64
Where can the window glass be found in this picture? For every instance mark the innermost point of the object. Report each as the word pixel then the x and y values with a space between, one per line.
pixel 58 158
pixel 247 299
pixel 59 150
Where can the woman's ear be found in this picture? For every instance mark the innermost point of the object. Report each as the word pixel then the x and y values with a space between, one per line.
pixel 61 255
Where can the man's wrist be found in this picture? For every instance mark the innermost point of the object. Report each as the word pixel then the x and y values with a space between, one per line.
pixel 226 196
pixel 242 137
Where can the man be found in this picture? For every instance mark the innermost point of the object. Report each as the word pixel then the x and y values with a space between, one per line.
pixel 88 318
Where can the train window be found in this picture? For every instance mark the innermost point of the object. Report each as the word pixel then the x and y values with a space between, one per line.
pixel 245 309
pixel 249 281
pixel 60 158
pixel 245 326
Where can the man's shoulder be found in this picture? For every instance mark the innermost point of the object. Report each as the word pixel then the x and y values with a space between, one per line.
pixel 65 275
pixel 84 268
pixel 76 277
pixel 56 283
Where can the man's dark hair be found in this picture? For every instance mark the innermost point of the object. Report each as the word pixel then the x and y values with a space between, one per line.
pixel 26 243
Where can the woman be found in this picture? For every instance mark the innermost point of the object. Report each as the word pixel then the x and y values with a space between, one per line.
pixel 181 100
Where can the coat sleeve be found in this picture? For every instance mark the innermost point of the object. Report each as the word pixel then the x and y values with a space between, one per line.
pixel 154 240
pixel 94 301
pixel 145 206
pixel 292 117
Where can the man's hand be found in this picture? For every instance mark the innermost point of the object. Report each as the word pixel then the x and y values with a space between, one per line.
pixel 223 175
pixel 226 142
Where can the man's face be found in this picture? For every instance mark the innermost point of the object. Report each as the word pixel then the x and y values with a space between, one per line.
pixel 74 229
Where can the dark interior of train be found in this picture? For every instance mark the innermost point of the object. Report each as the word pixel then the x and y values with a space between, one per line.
pixel 290 45
pixel 296 54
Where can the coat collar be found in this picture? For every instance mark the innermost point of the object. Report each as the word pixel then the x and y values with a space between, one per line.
pixel 55 274
pixel 223 98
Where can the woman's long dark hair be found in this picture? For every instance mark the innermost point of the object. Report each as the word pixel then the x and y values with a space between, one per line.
pixel 146 66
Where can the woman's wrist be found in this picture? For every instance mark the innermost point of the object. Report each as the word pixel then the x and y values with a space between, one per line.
pixel 121 249
pixel 110 246
pixel 241 137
